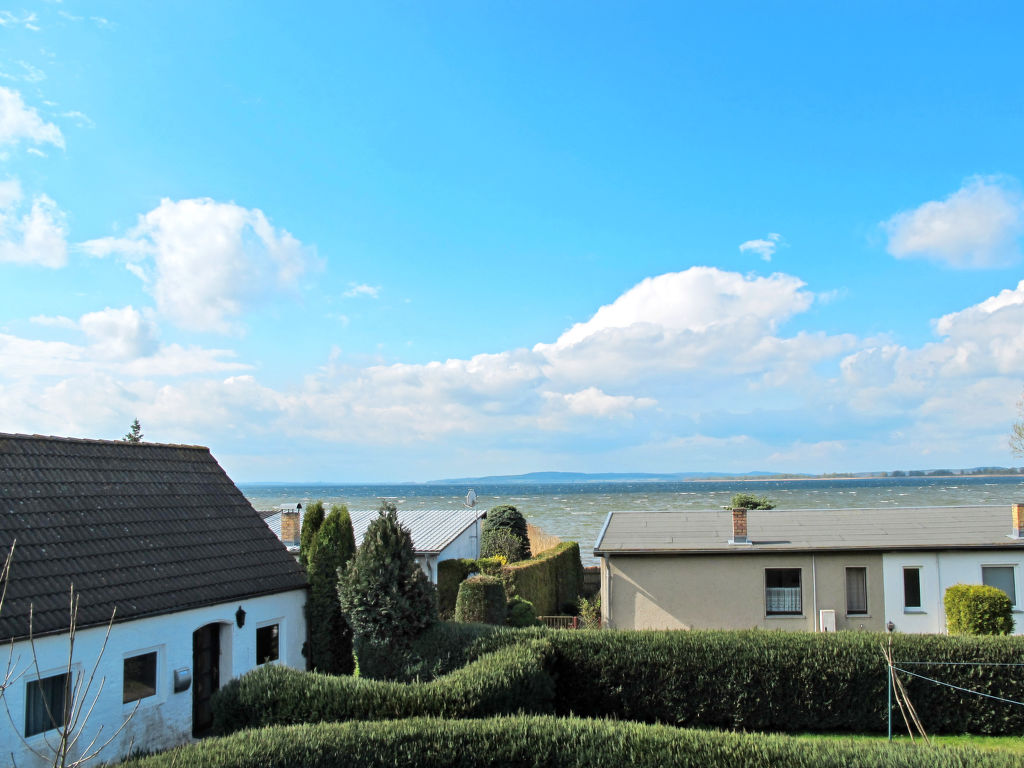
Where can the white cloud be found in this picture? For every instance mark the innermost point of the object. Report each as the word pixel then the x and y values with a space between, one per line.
pixel 120 334
pixel 27 73
pixel 21 123
pixel 24 19
pixel 81 119
pixel 593 402
pixel 34 236
pixel 765 248
pixel 57 321
pixel 362 289
pixel 977 226
pixel 207 262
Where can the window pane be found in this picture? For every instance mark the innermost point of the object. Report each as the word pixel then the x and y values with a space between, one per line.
pixel 911 587
pixel 266 644
pixel 1000 577
pixel 856 590
pixel 782 591
pixel 44 704
pixel 139 677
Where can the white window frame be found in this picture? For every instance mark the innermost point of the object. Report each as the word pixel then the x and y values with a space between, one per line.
pixel 280 641
pixel 1015 603
pixel 160 689
pixel 867 591
pixel 920 589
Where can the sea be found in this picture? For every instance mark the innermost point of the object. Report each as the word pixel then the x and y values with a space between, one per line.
pixel 577 511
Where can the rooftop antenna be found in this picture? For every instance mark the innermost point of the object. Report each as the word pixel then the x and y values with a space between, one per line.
pixel 471 498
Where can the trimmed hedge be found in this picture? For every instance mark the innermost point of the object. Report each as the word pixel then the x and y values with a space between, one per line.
pixel 551 580
pixel 974 609
pixel 442 648
pixel 482 601
pixel 784 681
pixel 513 679
pixel 525 742
pixel 451 573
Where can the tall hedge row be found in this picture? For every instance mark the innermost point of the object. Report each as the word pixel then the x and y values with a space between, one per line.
pixel 512 679
pixel 551 580
pixel 525 742
pixel 481 600
pixel 451 573
pixel 784 681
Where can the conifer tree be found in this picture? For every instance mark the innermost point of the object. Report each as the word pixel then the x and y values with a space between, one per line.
pixel 134 433
pixel 311 522
pixel 384 593
pixel 330 638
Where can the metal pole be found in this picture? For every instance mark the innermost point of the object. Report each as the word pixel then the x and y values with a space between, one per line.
pixel 889 661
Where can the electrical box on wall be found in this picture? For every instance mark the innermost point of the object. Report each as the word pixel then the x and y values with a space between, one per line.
pixel 827 620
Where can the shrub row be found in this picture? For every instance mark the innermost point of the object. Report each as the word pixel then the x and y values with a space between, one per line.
pixel 551 580
pixel 784 681
pixel 519 742
pixel 510 680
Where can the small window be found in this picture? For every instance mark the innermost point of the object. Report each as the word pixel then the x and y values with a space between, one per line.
pixel 46 704
pixel 912 587
pixel 266 644
pixel 856 591
pixel 139 677
pixel 782 592
pixel 1000 577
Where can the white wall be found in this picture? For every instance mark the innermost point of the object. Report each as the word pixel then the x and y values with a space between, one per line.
pixel 466 545
pixel 940 570
pixel 164 719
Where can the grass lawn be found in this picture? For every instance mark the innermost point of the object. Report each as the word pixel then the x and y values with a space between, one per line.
pixel 1004 743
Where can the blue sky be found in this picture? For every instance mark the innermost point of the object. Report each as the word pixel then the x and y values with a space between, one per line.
pixel 400 242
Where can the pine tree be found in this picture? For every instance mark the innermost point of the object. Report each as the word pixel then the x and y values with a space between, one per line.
pixel 134 434
pixel 330 638
pixel 384 593
pixel 312 519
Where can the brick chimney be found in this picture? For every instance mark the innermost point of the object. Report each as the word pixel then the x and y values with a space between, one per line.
pixel 739 526
pixel 290 526
pixel 1017 514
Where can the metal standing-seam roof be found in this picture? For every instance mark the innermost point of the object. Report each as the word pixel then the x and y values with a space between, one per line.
pixel 799 530
pixel 149 528
pixel 431 529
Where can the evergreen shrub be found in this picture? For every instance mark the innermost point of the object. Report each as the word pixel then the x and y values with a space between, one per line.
pixel 501 542
pixel 330 637
pixel 451 573
pixel 512 679
pixel 312 519
pixel 511 519
pixel 491 566
pixel 529 741
pixel 975 609
pixel 551 580
pixel 521 613
pixel 481 600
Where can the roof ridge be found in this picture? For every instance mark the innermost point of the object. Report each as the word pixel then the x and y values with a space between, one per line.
pixel 97 441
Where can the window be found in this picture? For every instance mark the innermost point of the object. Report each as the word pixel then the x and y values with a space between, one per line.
pixel 782 592
pixel 46 703
pixel 856 591
pixel 912 587
pixel 139 677
pixel 266 644
pixel 1000 577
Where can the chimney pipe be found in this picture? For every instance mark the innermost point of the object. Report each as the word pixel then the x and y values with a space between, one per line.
pixel 1017 514
pixel 739 526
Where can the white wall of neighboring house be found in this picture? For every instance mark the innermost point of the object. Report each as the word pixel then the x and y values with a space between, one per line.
pixel 940 570
pixel 466 545
pixel 164 719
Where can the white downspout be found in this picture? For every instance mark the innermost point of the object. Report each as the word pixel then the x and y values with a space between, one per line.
pixel 814 593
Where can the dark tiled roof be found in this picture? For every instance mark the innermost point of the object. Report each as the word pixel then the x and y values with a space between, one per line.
pixel 148 528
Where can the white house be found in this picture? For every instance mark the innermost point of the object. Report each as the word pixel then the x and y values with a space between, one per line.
pixel 158 537
pixel 809 569
pixel 437 534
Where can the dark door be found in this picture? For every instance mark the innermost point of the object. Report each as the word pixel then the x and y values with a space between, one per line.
pixel 206 676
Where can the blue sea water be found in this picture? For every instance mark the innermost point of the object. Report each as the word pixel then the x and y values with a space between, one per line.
pixel 576 511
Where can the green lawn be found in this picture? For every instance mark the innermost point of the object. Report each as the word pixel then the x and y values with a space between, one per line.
pixel 1003 743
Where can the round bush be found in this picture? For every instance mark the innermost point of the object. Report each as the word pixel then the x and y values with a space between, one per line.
pixel 508 517
pixel 482 600
pixel 501 542
pixel 974 609
pixel 521 613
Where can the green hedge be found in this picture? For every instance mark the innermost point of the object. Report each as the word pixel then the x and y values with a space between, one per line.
pixel 784 681
pixel 451 573
pixel 482 601
pixel 512 679
pixel 551 580
pixel 442 648
pixel 974 609
pixel 525 742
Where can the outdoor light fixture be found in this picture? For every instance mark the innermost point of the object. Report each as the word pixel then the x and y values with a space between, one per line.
pixel 240 618
pixel 889 627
